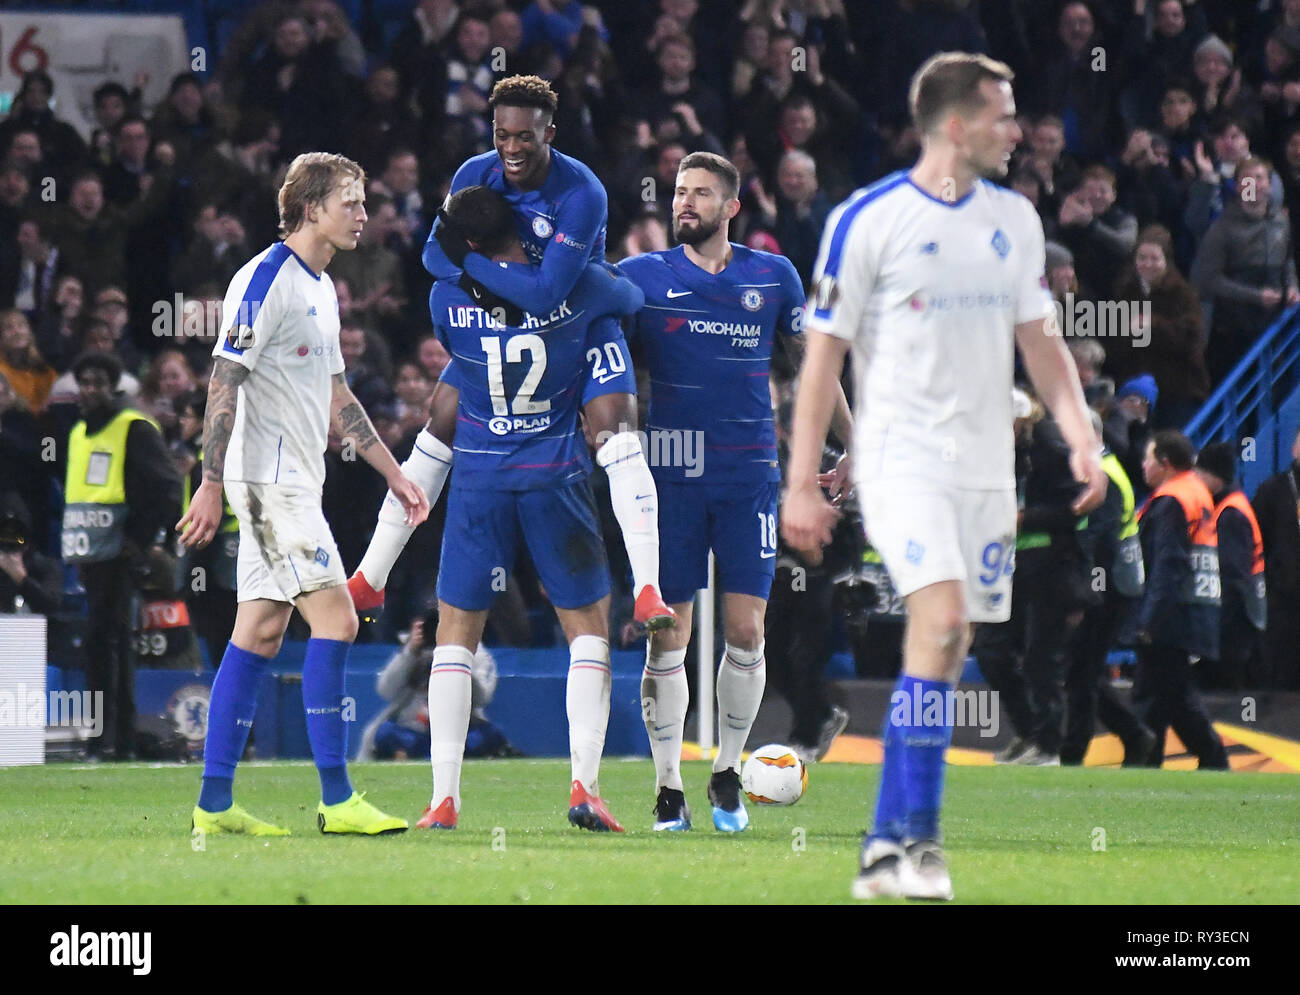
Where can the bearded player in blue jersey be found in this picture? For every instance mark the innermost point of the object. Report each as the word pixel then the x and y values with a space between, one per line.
pixel 521 473
pixel 560 211
pixel 713 312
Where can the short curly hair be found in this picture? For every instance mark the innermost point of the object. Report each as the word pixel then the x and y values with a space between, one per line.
pixel 524 91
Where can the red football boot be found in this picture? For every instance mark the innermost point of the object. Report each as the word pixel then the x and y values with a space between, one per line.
pixel 364 597
pixel 589 812
pixel 442 817
pixel 651 611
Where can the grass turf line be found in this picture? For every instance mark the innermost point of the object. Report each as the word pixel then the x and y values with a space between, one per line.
pixel 120 835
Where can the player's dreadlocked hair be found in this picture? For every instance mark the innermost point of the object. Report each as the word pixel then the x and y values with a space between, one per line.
pixel 482 216
pixel 523 91
pixel 308 183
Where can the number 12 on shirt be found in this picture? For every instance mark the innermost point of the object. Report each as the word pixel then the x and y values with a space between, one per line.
pixel 516 346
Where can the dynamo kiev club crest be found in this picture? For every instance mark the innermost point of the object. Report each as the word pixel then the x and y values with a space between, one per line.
pixel 752 300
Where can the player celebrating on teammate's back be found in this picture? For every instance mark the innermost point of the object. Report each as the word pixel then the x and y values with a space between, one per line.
pixel 560 213
pixel 933 276
pixel 277 388
pixel 713 311
pixel 521 473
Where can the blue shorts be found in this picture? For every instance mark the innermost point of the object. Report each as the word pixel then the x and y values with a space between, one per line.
pixel 609 365
pixel 736 521
pixel 559 525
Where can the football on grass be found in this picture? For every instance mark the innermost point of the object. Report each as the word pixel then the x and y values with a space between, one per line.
pixel 774 775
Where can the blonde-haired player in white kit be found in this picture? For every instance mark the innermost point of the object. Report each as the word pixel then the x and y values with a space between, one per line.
pixel 277 388
pixel 933 276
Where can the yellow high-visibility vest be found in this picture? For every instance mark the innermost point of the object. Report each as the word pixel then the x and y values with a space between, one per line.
pixel 95 511
pixel 1128 570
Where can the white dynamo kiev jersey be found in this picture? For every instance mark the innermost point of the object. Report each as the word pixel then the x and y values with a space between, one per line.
pixel 281 321
pixel 929 294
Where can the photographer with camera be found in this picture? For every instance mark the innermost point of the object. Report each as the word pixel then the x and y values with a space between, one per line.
pixel 401 730
pixel 121 496
pixel 29 581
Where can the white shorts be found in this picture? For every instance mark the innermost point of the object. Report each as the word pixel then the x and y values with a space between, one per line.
pixel 285 545
pixel 926 535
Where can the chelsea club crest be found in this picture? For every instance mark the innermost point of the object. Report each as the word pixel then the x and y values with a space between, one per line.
pixel 752 300
pixel 542 228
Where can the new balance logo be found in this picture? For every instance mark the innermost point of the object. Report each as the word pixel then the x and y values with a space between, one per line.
pixel 678 293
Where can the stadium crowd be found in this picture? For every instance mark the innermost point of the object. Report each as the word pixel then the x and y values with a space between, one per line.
pixel 1161 150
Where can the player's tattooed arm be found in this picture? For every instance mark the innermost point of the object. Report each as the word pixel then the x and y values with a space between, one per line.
pixel 219 421
pixel 350 419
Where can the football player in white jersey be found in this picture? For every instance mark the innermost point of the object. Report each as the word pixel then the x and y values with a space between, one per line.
pixel 931 276
pixel 277 388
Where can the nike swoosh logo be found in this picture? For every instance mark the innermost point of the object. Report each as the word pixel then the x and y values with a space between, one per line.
pixel 608 377
pixel 679 293
pixel 661 728
pixel 766 556
pixel 642 497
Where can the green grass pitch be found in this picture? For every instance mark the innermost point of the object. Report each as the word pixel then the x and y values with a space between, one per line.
pixel 120 834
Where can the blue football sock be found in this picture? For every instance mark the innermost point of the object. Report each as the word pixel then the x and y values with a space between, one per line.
pixel 924 739
pixel 891 805
pixel 230 719
pixel 322 697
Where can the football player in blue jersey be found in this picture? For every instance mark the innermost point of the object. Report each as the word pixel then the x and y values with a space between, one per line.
pixel 522 468
pixel 560 212
pixel 713 312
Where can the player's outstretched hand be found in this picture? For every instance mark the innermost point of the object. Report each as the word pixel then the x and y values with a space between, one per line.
pixel 412 497
pixel 451 239
pixel 199 525
pixel 807 519
pixel 1087 471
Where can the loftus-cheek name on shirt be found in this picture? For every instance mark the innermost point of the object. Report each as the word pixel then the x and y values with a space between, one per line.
pixel 462 316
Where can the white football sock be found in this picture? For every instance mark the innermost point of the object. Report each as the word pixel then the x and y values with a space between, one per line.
pixel 665 696
pixel 449 700
pixel 428 465
pixel 635 500
pixel 742 675
pixel 586 698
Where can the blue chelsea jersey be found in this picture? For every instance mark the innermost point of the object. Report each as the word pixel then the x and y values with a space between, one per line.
pixel 707 340
pixel 561 225
pixel 521 387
